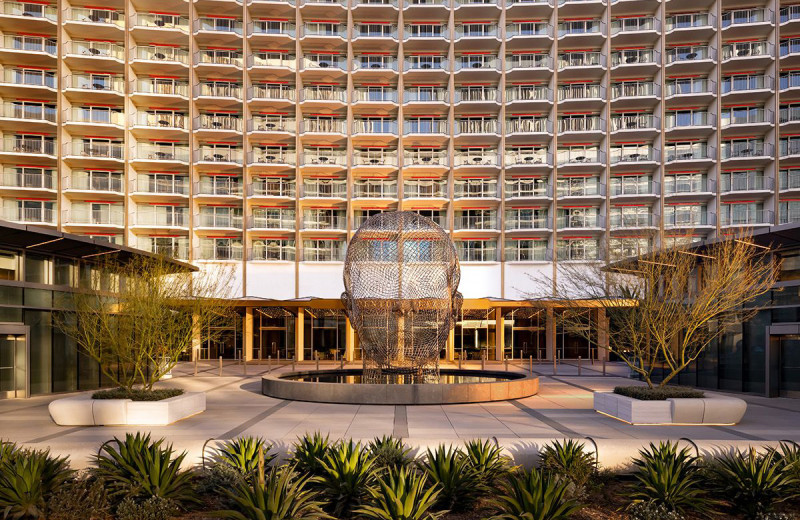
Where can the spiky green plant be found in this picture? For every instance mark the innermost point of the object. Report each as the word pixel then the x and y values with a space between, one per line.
pixel 402 494
pixel 138 467
pixel 309 452
pixel 348 475
pixel 488 460
pixel 753 483
pixel 7 449
pixel 390 453
pixel 569 460
pixel 27 478
pixel 788 456
pixel 241 453
pixel 284 495
pixel 460 483
pixel 672 477
pixel 534 495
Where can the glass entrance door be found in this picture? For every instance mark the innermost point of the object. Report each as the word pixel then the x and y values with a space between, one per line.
pixel 13 364
pixel 790 366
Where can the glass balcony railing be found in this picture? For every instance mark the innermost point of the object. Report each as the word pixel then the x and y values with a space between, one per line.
pixel 374 95
pixel 161 87
pixel 30 43
pixel 215 252
pixel 324 221
pixel 476 30
pixel 283 92
pixel 374 30
pixel 633 154
pixel 31 10
pixel 96 15
pixel 96 82
pixel 376 126
pixel 528 157
pixel 738 183
pixel 260 155
pixel 219 25
pixel 374 189
pixel 789 13
pixel 789 114
pixel 161 53
pixel 30 215
pixel 688 119
pixel 534 125
pixel 425 126
pixel 581 59
pixel 688 54
pixel 476 222
pixel 579 221
pixel 106 215
pixel 634 57
pixel 690 21
pixel 29 111
pixel 324 158
pixel 323 126
pixel 272 59
pixel 528 61
pixel 745 149
pixel 172 247
pixel 581 91
pixel 161 120
pixel 273 27
pixel 628 89
pixel 474 188
pixel 426 62
pixel 162 216
pixel 744 216
pixel 320 189
pixel 32 145
pixel 631 220
pixel 96 115
pixel 624 185
pixel 477 126
pixel 528 29
pixel 375 157
pixel 272 123
pixel 164 185
pixel 95 150
pixel 162 21
pixel 155 152
pixel 427 189
pixel 694 152
pixel 328 61
pixel 580 187
pixel 789 46
pixel 218 122
pixel 513 222
pixel 529 93
pixel 95 49
pixel 84 182
pixel 213 219
pixel 690 86
pixel 375 63
pixel 272 220
pixel 219 154
pixel 746 16
pixel 517 252
pixel 685 184
pixel 746 116
pixel 634 122
pixel 477 61
pixel 424 157
pixel 746 82
pixel 581 124
pixel 746 50
pixel 528 188
pixel 220 186
pixel 224 89
pixel 635 24
pixel 30 180
pixel 580 156
pixel 323 94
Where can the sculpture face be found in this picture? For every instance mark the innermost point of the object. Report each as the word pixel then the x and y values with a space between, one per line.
pixel 401 277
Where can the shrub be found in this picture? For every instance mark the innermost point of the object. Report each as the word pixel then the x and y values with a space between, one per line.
pixel 753 483
pixel 402 495
pixel 83 498
pixel 671 478
pixel 569 461
pixel 309 451
pixel 27 478
pixel 215 480
pixel 534 495
pixel 348 475
pixel 283 496
pixel 153 508
pixel 652 511
pixel 137 394
pixel 140 468
pixel 659 393
pixel 242 454
pixel 788 456
pixel 460 483
pixel 487 459
pixel 389 453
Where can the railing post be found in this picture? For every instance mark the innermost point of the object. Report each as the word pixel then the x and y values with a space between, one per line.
pixel 220 365
pixel 579 365
pixel 269 364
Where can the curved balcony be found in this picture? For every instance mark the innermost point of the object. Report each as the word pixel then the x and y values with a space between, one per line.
pixel 218 155
pixel 477 126
pixel 218 89
pixel 30 10
pixel 272 123
pixel 96 50
pixel 161 119
pixel 221 122
pixel 754 53
pixel 483 222
pixel 522 157
pixel 373 95
pixel 479 157
pixel 108 215
pixel 155 54
pixel 425 158
pixel 219 57
pixel 689 152
pixel 334 158
pixel 272 60
pixel 29 145
pixel 635 154
pixel 264 218
pixel 529 93
pixel 375 126
pixel 732 183
pixel 581 59
pixel 580 156
pixel 94 149
pixel 635 89
pixel 375 159
pixel 528 29
pixel 323 126
pixel 161 153
pixel 581 124
pixel 735 217
pixel 275 156
pixel 29 111
pixel 278 187
pixel 161 22
pixel 527 60
pixel 97 83
pixel 425 189
pixel 272 27
pixel 30 179
pixel 747 116
pixel 579 221
pixel 211 250
pixel 475 188
pixel 30 215
pixel 272 91
pixel 323 62
pixel 103 16
pixel 217 24
pixel 528 188
pixel 161 87
pixel 634 122
pixel 374 189
pixel 700 24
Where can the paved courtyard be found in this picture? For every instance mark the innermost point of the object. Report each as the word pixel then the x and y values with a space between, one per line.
pixel 562 408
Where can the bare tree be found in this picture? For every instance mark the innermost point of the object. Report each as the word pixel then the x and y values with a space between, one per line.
pixel 665 307
pixel 136 319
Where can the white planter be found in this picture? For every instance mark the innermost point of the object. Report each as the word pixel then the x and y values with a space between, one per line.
pixel 703 411
pixel 82 410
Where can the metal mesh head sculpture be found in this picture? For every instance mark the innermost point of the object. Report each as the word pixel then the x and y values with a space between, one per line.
pixel 401 278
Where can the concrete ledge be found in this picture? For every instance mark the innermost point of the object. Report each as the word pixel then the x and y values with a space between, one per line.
pixel 518 386
pixel 707 410
pixel 82 410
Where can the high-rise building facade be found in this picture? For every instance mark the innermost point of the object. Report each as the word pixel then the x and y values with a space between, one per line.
pixel 262 133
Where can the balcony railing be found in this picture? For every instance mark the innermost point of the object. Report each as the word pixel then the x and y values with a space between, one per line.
pixel 95 49
pixel 96 83
pixel 324 62
pixel 634 57
pixel 29 111
pixel 375 63
pixel 272 220
pixel 475 222
pixel 745 183
pixel 690 21
pixel 323 94
pixel 107 216
pixel 687 54
pixel 96 115
pixel 377 126
pixel 375 157
pixel 528 29
pixel 477 126
pixel 746 217
pixel 581 124
pixel 789 13
pixel 219 220
pixel 476 30
pixel 745 150
pixel 527 188
pixel 477 61
pixel 674 185
pixel 161 21
pixel 746 82
pixel 748 116
pixel 161 120
pixel 418 189
pixel 323 126
pixel 161 53
pixel 529 61
pixel 529 93
pixel 425 158
pixel 371 30
pixel 327 221
pixel 790 46
pixel 477 94
pixel 635 24
pixel 581 59
pixel 688 219
pixel 213 24
pixel 579 221
pixel 635 220
pixel 689 120
pixel 435 126
pixel 426 62
pixel 28 146
pixel 95 150
pixel 632 155
pixel 278 156
pixel 474 189
pixel 284 92
pixel 218 122
pixel 30 43
pixel 633 122
pixel 222 187
pixel 692 86
pixel 96 183
pixel 746 50
pixel 219 154
pixel 93 15
pixel 40 181
pixel 325 189
pixel 164 88
pixel 31 9
pixel 382 95
pixel 746 16
pixel 168 185
pixel 212 251
pixel 697 152
pixel 178 249
pixel 272 123
pixel 375 189
pixel 580 156
pixel 30 215
pixel 156 152
pixel 272 59
pixel 272 187
pixel 514 223
pixel 219 89
pixel 160 217
pixel 273 27
pixel 619 187
pixel 518 253
pixel 528 157
pixel 581 91
pixel 582 189
pixel 635 89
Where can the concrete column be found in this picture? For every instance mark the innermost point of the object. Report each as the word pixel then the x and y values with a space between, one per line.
pixel 602 334
pixel 299 334
pixel 450 348
pixel 248 334
pixel 499 334
pixel 550 334
pixel 350 341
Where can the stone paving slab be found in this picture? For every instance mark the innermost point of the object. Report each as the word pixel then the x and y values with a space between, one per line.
pixel 563 408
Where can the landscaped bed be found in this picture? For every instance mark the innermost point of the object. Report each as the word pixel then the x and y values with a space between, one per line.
pixel 137 394
pixel 659 393
pixel 137 478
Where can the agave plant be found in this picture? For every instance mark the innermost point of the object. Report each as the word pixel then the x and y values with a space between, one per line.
pixel 788 456
pixel 284 495
pixel 487 459
pixel 670 477
pixel 534 495
pixel 138 467
pixel 402 494
pixel 460 483
pixel 309 452
pixel 570 461
pixel 7 449
pixel 242 454
pixel 753 483
pixel 348 475
pixel 27 478
pixel 389 453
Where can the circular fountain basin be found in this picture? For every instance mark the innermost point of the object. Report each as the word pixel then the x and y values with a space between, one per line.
pixel 454 386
